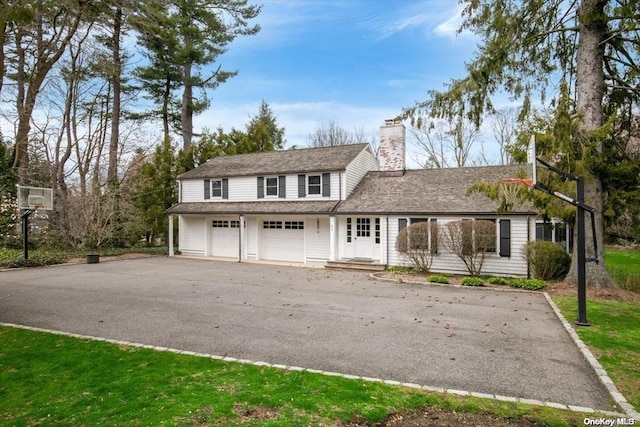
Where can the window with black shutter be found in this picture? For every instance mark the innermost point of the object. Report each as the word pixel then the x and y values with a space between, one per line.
pixel 326 184
pixel 302 184
pixel 505 237
pixel 261 187
pixel 207 189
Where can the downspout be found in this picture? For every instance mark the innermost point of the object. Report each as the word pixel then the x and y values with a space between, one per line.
pixel 528 240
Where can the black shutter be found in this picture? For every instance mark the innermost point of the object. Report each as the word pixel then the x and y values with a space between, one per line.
pixel 302 185
pixel 326 184
pixel 207 189
pixel 261 187
pixel 225 188
pixel 402 223
pixel 505 237
pixel 282 187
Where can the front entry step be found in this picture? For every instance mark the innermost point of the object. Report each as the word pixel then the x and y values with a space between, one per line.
pixel 355 264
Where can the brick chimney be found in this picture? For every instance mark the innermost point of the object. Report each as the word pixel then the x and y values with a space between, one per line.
pixel 392 153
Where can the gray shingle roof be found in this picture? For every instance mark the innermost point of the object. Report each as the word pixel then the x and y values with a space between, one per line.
pixel 429 191
pixel 323 159
pixel 262 207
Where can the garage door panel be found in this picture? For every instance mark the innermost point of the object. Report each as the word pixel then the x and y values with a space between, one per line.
pixel 224 238
pixel 283 241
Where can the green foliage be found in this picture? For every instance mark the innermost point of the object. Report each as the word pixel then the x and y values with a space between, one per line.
pixel 498 280
pixel 547 260
pixel 400 269
pixel 439 279
pixel 472 281
pixel 181 40
pixel 619 168
pixel 263 132
pixel 156 190
pixel 528 284
pixel 8 213
pixel 14 258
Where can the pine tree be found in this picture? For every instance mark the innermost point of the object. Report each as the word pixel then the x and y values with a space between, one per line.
pixel 526 46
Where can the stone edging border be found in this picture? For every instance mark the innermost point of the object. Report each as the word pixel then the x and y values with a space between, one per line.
pixel 334 374
pixel 604 378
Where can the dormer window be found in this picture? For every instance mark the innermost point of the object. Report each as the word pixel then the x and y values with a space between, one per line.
pixel 272 186
pixel 315 184
pixel 216 189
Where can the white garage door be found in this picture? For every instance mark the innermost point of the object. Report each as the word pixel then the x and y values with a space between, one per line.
pixel 225 238
pixel 283 241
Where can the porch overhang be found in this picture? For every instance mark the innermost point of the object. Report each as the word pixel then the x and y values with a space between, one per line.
pixel 254 208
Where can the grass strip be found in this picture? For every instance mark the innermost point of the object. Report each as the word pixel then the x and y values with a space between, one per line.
pixel 613 338
pixel 56 380
pixel 624 266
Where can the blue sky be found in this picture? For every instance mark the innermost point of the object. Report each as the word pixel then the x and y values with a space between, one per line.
pixel 355 62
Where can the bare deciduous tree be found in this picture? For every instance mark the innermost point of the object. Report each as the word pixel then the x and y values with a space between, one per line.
pixel 419 242
pixel 470 240
pixel 445 144
pixel 503 125
pixel 332 133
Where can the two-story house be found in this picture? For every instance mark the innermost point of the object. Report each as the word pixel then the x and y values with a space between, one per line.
pixel 318 205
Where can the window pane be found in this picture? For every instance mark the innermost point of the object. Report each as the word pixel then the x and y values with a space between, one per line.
pixel 216 188
pixel 314 184
pixel 272 186
pixel 363 227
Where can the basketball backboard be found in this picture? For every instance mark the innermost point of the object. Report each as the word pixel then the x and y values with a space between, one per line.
pixel 35 198
pixel 532 163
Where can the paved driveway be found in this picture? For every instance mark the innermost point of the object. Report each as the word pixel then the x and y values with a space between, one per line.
pixel 486 341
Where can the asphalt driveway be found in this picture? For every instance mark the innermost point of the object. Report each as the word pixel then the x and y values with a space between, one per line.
pixel 486 341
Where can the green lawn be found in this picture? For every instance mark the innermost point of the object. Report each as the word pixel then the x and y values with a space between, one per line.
pixel 613 338
pixel 47 379
pixel 624 267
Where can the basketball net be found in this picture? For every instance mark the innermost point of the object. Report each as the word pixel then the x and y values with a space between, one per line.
pixel 510 188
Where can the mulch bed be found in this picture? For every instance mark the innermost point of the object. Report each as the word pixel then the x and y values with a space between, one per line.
pixel 555 288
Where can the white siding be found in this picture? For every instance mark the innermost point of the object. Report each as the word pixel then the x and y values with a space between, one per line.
pixel 447 262
pixel 245 189
pixel 358 168
pixel 192 190
pixel 242 189
pixel 318 239
pixel 191 235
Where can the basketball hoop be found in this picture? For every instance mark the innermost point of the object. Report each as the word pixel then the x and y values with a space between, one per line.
pixel 510 188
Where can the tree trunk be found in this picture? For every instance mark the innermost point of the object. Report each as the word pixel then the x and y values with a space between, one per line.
pixel 116 81
pixel 590 94
pixel 187 109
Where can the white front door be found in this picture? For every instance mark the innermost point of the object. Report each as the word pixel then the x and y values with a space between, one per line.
pixel 363 239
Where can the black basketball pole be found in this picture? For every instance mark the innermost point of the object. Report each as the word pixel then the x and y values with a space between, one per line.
pixel 582 259
pixel 578 202
pixel 25 233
